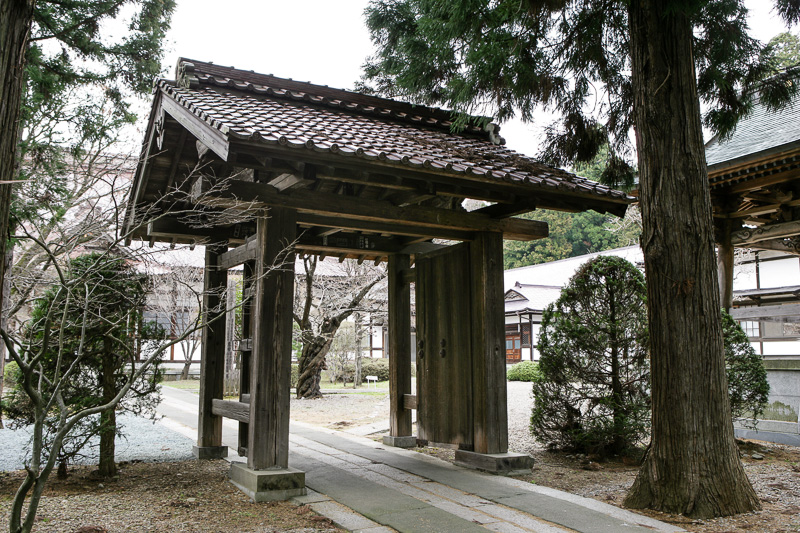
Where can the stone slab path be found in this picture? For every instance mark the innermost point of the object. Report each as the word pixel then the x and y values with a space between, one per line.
pixel 363 485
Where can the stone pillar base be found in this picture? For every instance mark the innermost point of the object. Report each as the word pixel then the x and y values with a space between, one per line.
pixel 268 485
pixel 210 452
pixel 495 463
pixel 409 441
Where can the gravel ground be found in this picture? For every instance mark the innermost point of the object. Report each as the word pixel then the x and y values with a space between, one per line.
pixel 143 440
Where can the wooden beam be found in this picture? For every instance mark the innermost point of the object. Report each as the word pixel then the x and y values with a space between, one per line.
pixel 490 414
pixel 507 210
pixel 350 224
pixel 746 236
pixel 768 312
pixel 212 362
pixel 261 195
pixel 268 427
pixel 788 246
pixel 165 228
pixel 205 133
pixel 463 185
pixel 229 409
pixel 399 346
pixel 725 265
pixel 286 181
pixel 409 401
pixel 240 254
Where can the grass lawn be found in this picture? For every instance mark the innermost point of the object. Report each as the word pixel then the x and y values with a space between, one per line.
pixel 189 384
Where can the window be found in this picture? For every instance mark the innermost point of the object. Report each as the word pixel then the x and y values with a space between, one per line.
pixel 751 328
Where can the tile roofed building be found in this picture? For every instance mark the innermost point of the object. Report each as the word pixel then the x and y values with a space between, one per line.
pixel 761 131
pixel 313 144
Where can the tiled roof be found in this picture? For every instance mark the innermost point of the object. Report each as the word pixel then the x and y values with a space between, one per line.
pixel 760 131
pixel 259 108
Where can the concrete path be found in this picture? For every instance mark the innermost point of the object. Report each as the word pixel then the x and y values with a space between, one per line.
pixel 365 486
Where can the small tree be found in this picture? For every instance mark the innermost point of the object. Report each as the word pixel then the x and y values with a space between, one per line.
pixel 99 322
pixel 593 395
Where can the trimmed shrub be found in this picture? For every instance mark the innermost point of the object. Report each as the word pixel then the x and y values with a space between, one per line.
pixel 593 396
pixel 524 371
pixel 747 378
pixel 375 367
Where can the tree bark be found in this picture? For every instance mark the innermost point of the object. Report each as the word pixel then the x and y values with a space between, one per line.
pixel 312 359
pixel 357 378
pixel 108 419
pixel 16 17
pixel 6 283
pixel 693 466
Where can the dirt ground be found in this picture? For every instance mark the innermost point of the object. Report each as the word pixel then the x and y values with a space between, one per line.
pixel 192 496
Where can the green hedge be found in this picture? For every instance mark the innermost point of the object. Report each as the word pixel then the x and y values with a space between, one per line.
pixel 524 371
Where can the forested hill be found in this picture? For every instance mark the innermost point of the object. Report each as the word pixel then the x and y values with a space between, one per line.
pixel 572 234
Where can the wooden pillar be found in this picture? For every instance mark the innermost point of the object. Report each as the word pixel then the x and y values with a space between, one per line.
pixel 399 347
pixel 212 364
pixel 270 378
pixel 245 347
pixel 725 265
pixel 488 340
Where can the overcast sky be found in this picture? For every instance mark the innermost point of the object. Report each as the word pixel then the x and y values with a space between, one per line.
pixel 321 41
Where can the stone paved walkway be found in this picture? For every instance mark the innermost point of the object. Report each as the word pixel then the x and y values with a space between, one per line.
pixel 365 486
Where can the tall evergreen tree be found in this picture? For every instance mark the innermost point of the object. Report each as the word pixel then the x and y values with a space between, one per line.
pixel 608 68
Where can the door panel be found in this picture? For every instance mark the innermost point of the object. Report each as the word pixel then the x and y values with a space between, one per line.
pixel 444 359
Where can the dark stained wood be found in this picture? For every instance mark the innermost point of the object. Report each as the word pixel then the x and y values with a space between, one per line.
pixel 170 227
pixel 463 186
pixel 725 264
pixel 240 254
pixel 507 210
pixel 268 437
pixel 409 401
pixel 246 346
pixel 210 137
pixel 212 363
pixel 444 360
pixel 488 344
pixel 399 346
pixel 345 223
pixel 238 194
pixel 229 409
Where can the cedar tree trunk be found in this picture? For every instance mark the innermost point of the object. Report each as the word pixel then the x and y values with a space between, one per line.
pixel 16 17
pixel 693 465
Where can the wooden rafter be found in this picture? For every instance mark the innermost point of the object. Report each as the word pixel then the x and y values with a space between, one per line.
pixel 236 193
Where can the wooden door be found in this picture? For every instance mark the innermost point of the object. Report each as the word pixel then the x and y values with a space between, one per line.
pixel 444 359
pixel 513 348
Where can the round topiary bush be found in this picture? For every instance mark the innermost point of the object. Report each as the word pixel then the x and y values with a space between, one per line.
pixel 524 371
pixel 593 395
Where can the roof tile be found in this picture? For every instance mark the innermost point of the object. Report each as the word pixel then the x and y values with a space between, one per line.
pixel 381 129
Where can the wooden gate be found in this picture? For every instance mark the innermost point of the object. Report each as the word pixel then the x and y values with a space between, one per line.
pixel 444 358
